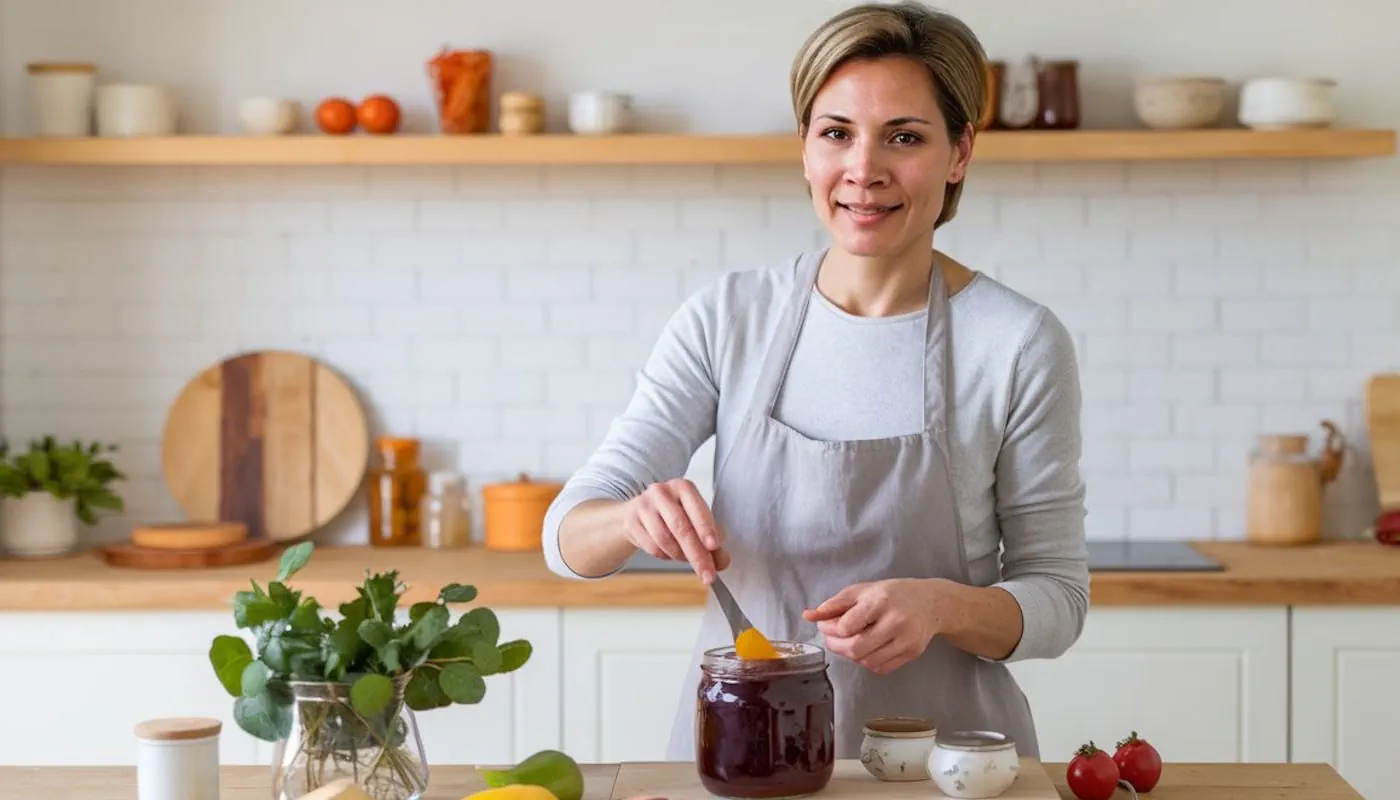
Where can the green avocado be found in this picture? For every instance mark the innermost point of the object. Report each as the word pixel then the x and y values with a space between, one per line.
pixel 550 769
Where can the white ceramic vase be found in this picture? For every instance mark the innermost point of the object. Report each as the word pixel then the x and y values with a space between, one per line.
pixel 38 525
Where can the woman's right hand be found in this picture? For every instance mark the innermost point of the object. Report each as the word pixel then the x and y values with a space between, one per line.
pixel 671 521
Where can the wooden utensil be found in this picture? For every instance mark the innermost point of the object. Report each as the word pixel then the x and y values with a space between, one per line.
pixel 679 781
pixel 1383 424
pixel 271 439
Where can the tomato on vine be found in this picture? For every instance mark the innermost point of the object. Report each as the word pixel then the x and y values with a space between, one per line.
pixel 1138 762
pixel 1092 774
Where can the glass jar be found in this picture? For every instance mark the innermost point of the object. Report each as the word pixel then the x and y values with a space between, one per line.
pixel 330 741
pixel 396 489
pixel 446 512
pixel 765 728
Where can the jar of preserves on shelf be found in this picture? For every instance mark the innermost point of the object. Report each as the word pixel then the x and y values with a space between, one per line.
pixel 396 489
pixel 765 727
pixel 446 513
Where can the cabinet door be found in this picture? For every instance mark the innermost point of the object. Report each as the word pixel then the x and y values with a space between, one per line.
pixel 77 683
pixel 1345 704
pixel 624 671
pixel 520 713
pixel 1207 684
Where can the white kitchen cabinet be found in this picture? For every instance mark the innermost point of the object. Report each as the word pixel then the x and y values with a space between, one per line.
pixel 624 671
pixel 1344 697
pixel 1207 684
pixel 76 683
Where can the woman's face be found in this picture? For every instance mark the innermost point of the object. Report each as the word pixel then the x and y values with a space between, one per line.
pixel 877 157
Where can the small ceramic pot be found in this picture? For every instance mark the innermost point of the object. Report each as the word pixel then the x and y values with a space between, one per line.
pixel 1283 103
pixel 897 748
pixel 973 764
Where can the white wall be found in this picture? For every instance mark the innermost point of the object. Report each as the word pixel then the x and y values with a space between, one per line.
pixel 500 312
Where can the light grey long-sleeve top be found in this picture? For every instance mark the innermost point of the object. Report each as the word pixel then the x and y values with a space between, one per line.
pixel 1014 436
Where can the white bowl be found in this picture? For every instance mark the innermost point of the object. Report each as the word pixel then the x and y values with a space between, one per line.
pixel 1282 103
pixel 268 116
pixel 1180 102
pixel 897 748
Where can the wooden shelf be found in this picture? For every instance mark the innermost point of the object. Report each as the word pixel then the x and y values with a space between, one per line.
pixel 644 149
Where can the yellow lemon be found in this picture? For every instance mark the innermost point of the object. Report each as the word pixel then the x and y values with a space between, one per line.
pixel 518 792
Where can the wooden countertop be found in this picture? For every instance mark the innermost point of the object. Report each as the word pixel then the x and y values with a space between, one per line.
pixel 1179 782
pixel 1335 573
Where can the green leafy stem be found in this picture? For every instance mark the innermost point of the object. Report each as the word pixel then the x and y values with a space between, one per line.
pixel 436 661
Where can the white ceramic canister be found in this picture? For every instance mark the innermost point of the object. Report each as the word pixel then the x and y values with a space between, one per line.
pixel 897 748
pixel 61 98
pixel 134 109
pixel 178 759
pixel 973 764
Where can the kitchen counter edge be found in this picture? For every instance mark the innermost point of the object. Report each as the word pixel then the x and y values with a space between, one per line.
pixel 1351 573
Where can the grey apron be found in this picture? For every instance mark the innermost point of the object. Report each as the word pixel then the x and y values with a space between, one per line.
pixel 805 519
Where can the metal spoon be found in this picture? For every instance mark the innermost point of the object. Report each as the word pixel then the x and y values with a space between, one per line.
pixel 738 623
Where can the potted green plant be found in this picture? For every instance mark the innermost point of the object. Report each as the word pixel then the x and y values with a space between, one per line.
pixel 48 488
pixel 338 695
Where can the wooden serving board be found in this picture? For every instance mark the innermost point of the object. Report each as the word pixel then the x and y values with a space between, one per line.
pixel 126 554
pixel 1383 425
pixel 272 439
pixel 679 781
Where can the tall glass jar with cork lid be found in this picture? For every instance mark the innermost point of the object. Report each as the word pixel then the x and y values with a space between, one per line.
pixel 396 488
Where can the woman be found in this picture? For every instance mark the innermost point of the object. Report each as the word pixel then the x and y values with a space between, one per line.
pixel 886 419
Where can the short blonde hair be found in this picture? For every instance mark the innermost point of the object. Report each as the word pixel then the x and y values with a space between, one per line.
pixel 943 44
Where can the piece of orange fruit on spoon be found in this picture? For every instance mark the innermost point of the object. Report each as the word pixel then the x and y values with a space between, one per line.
pixel 751 644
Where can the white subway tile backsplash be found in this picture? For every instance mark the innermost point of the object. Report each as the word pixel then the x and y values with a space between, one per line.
pixel 503 313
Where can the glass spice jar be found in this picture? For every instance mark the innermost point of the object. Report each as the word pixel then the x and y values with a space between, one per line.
pixel 396 489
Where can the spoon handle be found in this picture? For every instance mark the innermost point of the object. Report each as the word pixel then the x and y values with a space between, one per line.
pixel 738 623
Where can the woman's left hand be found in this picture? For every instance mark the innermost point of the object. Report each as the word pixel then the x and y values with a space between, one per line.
pixel 881 625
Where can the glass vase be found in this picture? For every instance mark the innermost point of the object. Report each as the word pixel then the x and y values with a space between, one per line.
pixel 330 741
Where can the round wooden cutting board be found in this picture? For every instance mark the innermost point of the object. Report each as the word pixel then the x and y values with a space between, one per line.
pixel 272 439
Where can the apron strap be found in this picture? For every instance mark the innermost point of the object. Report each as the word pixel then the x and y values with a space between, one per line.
pixel 937 361
pixel 784 344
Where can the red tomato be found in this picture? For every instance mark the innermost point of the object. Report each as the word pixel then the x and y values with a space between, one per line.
pixel 1138 762
pixel 1092 775
pixel 378 114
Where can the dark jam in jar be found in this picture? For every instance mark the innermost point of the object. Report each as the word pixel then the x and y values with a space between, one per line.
pixel 765 728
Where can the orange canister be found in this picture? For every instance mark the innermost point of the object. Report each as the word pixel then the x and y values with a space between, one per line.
pixel 513 513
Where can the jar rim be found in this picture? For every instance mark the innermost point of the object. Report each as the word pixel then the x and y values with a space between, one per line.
pixel 793 657
pixel 974 740
pixel 900 727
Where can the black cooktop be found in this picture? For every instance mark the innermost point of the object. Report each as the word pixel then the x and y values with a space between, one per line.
pixel 1105 555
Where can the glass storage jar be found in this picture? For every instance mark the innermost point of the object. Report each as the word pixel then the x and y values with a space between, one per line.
pixel 396 489
pixel 765 728
pixel 446 513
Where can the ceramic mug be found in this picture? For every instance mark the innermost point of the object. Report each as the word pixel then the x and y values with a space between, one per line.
pixel 599 112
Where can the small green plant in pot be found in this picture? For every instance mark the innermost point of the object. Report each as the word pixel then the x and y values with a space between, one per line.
pixel 51 486
pixel 337 695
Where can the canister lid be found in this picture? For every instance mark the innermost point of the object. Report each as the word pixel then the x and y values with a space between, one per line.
pixel 974 740
pixel 170 729
pixel 524 488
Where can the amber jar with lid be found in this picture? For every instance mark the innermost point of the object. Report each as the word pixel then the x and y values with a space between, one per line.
pixel 396 489
pixel 513 513
pixel 765 728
